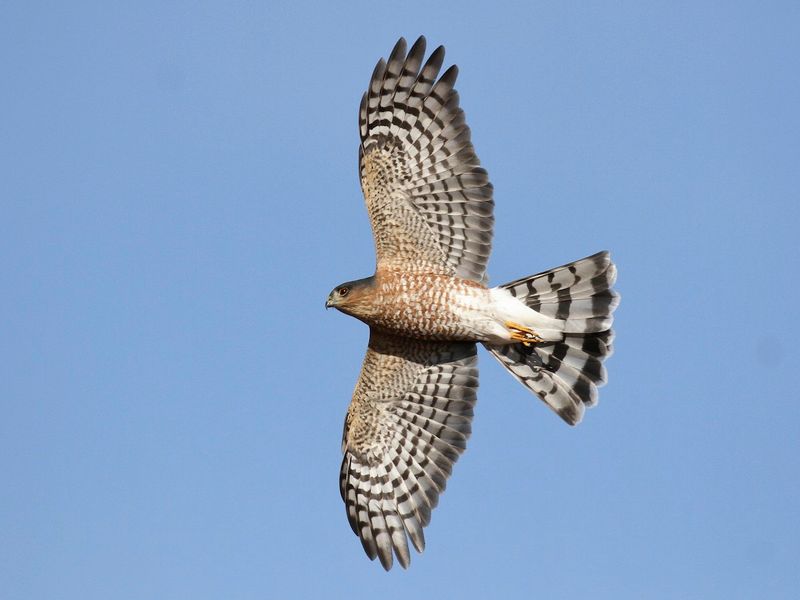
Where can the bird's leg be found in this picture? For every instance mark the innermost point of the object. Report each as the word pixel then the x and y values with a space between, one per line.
pixel 520 333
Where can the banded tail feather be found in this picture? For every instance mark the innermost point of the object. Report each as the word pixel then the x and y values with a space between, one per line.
pixel 566 373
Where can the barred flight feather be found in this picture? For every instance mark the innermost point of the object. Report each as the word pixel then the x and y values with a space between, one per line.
pixel 402 439
pixel 417 160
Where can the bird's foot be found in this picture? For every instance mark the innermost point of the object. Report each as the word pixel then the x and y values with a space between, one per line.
pixel 520 333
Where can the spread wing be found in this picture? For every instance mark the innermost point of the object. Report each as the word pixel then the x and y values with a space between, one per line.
pixel 406 426
pixel 429 201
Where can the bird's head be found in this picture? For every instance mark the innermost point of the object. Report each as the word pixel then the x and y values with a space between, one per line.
pixel 351 297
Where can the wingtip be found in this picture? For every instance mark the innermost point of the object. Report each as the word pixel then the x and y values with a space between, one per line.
pixel 386 559
pixel 437 56
pixel 398 50
pixel 450 75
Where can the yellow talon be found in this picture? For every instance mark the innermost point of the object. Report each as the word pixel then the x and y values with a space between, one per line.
pixel 520 333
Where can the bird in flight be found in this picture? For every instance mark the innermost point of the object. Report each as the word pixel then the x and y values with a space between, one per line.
pixel 427 305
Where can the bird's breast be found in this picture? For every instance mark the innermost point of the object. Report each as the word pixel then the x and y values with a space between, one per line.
pixel 429 306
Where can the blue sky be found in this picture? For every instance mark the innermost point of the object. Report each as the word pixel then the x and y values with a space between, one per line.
pixel 180 194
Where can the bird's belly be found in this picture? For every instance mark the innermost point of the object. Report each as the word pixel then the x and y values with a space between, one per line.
pixel 430 307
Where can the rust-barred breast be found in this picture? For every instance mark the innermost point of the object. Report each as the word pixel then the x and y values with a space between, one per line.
pixel 428 305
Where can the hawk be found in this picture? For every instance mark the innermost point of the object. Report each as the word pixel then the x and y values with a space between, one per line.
pixel 431 209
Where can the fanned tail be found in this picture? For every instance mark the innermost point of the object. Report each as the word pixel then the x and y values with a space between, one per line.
pixel 566 373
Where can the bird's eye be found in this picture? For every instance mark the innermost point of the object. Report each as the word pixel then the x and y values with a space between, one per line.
pixel 343 291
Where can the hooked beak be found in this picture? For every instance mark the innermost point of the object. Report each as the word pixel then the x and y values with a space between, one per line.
pixel 328 303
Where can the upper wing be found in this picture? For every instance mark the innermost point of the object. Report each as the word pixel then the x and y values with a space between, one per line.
pixel 407 424
pixel 429 201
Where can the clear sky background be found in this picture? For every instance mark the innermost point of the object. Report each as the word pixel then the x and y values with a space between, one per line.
pixel 179 194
